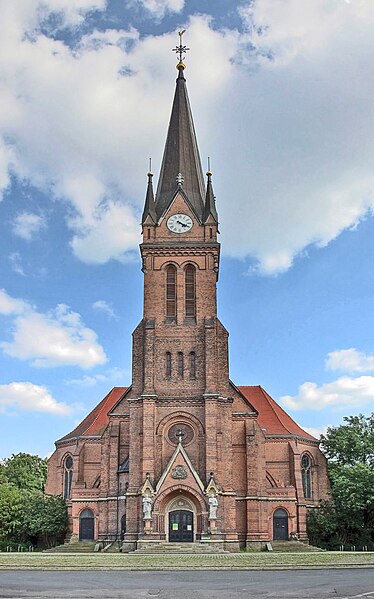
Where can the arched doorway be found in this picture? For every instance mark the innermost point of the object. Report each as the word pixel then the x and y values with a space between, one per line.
pixel 280 525
pixel 86 525
pixel 181 519
pixel 181 526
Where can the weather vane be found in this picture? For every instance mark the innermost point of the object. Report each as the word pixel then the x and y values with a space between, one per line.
pixel 181 49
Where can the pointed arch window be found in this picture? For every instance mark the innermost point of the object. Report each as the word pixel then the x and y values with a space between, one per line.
pixel 171 291
pixel 168 364
pixel 192 365
pixel 306 475
pixel 190 291
pixel 68 476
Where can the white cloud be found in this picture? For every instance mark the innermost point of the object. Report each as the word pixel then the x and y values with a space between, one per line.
pixel 316 432
pixel 345 392
pixel 58 338
pixel 26 225
pixel 16 263
pixel 304 129
pixel 159 8
pixel 350 360
pixel 114 376
pixel 112 233
pixel 290 121
pixel 30 398
pixel 105 307
pixel 11 305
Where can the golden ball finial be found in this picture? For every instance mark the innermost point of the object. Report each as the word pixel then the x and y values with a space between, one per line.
pixel 181 66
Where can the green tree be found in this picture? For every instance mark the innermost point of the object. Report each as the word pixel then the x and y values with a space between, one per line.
pixel 26 471
pixel 349 517
pixel 26 515
pixel 44 519
pixel 10 510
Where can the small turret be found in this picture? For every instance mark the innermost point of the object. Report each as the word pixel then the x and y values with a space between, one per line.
pixel 149 204
pixel 210 202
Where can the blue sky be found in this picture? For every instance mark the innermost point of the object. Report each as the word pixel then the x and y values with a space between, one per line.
pixel 281 92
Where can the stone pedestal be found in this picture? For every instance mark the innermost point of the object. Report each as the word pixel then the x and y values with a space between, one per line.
pixel 148 526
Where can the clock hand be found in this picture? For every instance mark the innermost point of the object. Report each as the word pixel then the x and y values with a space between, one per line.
pixel 182 224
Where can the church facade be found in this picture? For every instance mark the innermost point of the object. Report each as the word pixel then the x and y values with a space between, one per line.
pixel 184 455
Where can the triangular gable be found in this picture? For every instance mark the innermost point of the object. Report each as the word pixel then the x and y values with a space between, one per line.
pixel 179 191
pixel 243 397
pixel 182 458
pixel 114 409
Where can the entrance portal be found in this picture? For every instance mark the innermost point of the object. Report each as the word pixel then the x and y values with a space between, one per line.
pixel 181 526
pixel 280 525
pixel 86 526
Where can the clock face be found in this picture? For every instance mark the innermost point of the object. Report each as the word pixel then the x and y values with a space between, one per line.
pixel 179 223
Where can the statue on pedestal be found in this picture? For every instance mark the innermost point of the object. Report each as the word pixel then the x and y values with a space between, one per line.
pixel 147 507
pixel 213 505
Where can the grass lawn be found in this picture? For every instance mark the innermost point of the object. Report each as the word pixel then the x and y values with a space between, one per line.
pixel 236 561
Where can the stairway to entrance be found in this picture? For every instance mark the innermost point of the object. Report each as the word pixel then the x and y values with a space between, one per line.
pixel 170 548
pixel 293 547
pixel 73 547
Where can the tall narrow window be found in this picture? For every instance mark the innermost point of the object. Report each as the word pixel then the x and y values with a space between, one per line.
pixel 306 474
pixel 68 476
pixel 171 291
pixel 180 364
pixel 192 365
pixel 168 364
pixel 190 292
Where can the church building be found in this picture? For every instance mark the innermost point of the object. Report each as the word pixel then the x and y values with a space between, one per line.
pixel 183 454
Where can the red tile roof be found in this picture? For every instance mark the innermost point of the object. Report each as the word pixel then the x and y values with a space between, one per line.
pixel 96 422
pixel 271 418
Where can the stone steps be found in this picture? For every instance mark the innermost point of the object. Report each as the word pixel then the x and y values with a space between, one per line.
pixel 177 548
pixel 293 547
pixel 75 547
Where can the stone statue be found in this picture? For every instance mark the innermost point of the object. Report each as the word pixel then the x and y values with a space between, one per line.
pixel 213 504
pixel 147 507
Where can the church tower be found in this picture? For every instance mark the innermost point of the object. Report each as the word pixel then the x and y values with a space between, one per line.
pixel 182 454
pixel 180 382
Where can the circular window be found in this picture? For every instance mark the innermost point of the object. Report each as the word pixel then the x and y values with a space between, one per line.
pixel 305 461
pixel 69 462
pixel 181 431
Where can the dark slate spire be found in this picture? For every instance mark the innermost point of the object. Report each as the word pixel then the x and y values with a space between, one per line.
pixel 210 202
pixel 181 155
pixel 149 204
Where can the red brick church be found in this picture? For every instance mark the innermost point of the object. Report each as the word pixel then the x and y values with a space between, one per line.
pixel 182 454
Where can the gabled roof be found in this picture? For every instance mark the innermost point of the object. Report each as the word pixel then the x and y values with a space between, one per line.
pixel 271 418
pixel 181 155
pixel 96 422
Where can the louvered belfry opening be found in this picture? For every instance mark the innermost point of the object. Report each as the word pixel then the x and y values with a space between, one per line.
pixel 190 291
pixel 171 291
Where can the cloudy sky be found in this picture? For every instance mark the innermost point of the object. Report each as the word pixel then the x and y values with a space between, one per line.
pixel 282 95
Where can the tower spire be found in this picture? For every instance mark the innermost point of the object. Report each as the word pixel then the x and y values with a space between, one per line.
pixel 181 154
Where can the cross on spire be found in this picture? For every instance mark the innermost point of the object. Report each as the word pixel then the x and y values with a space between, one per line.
pixel 181 49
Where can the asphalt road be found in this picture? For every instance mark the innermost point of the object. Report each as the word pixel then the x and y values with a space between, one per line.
pixel 299 584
